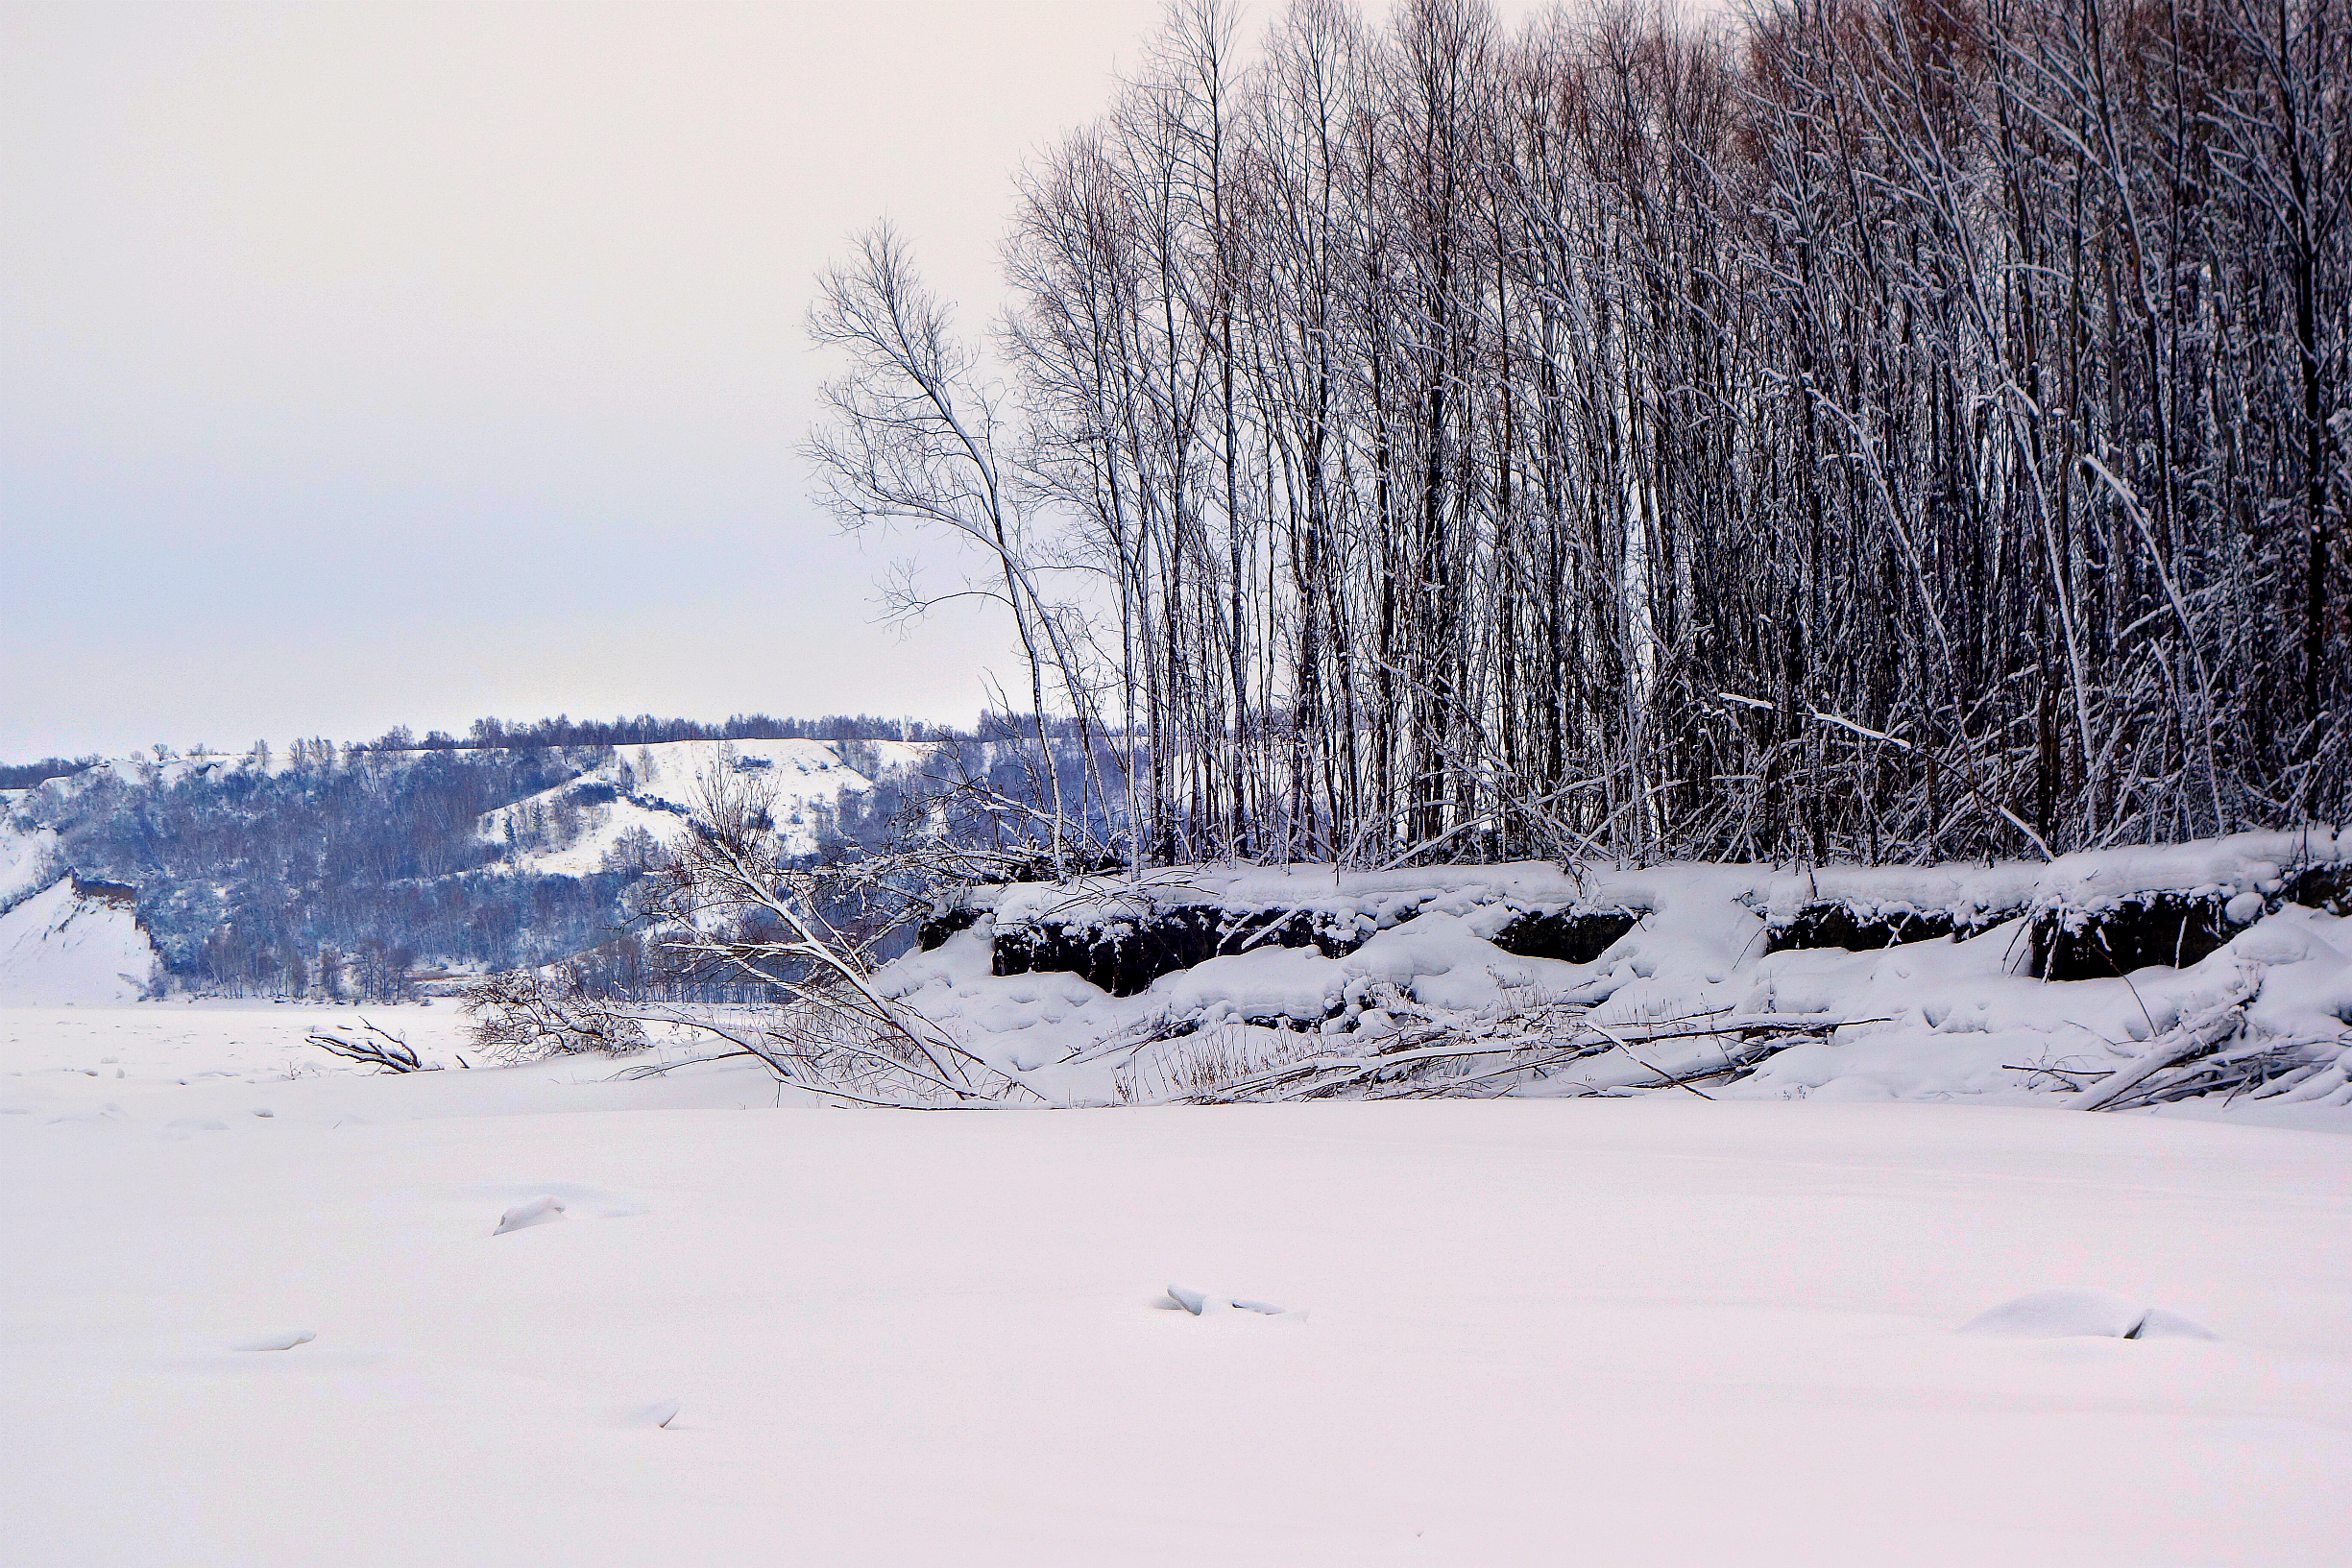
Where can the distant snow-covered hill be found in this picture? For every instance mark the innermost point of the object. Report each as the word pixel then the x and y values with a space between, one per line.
pixel 347 869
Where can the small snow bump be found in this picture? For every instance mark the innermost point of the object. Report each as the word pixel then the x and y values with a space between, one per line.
pixel 1199 1303
pixel 282 1339
pixel 2060 1314
pixel 2160 1324
pixel 539 1211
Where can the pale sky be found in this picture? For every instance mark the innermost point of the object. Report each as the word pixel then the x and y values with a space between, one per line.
pixel 365 364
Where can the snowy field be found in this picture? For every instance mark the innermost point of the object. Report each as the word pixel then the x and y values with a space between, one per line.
pixel 1627 1331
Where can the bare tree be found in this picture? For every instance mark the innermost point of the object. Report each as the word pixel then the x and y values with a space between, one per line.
pixel 915 437
pixel 1873 429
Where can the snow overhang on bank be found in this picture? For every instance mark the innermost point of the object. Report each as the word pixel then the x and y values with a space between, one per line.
pixel 1868 981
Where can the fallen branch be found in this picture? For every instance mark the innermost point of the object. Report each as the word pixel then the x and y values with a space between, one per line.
pixel 1533 1042
pixel 387 1052
pixel 2260 1069
pixel 2186 1040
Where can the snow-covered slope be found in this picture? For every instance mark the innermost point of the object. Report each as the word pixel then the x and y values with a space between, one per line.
pixel 73 943
pixel 798 770
pixel 655 788
pixel 28 858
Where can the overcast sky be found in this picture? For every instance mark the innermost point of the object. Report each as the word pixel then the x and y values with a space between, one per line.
pixel 365 364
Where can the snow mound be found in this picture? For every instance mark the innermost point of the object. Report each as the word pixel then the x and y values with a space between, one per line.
pixel 1200 1302
pixel 75 942
pixel 2065 1314
pixel 282 1339
pixel 539 1211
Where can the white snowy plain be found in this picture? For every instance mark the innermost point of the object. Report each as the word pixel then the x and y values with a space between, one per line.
pixel 1657 1331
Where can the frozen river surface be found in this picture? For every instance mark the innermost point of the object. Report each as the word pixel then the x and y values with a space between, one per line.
pixel 1661 1332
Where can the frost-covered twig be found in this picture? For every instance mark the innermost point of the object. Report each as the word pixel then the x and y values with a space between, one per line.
pixel 525 1015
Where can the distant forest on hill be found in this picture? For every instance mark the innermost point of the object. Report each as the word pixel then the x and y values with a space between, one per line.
pixel 25 775
pixel 349 870
pixel 345 870
pixel 646 729
pixel 563 732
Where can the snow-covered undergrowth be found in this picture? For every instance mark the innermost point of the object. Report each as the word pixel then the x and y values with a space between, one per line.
pixel 1409 987
pixel 256 1318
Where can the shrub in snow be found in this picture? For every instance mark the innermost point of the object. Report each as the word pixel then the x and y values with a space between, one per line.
pixel 1123 938
pixel 2173 929
pixel 1753 980
pixel 1860 929
pixel 1572 937
pixel 2323 887
pixel 738 902
pixel 1125 954
pixel 526 1016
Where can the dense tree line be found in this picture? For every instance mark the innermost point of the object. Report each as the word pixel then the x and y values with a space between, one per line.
pixel 25 775
pixel 1881 428
pixel 646 729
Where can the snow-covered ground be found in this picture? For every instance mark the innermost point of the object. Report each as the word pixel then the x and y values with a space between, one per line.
pixel 1658 1331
